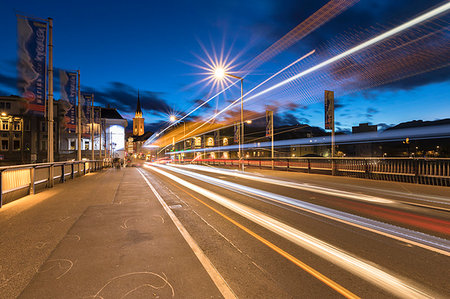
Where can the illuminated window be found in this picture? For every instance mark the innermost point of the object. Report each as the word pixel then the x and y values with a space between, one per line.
pixel 17 126
pixel 225 141
pixel 5 125
pixel 5 144
pixel 198 141
pixel 210 141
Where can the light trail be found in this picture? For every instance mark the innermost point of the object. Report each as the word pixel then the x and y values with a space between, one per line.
pixel 372 274
pixel 308 187
pixel 419 239
pixel 426 16
pixel 388 135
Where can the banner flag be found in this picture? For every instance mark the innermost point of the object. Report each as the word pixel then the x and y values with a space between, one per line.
pixel 329 110
pixel 32 62
pixel 237 132
pixel 269 123
pixel 68 81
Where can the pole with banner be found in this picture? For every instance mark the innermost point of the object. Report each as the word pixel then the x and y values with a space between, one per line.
pixel 50 96
pixel 79 122
pixel 92 128
pixel 329 122
pixel 237 136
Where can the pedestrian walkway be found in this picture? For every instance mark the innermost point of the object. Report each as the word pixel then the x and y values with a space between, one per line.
pixel 104 235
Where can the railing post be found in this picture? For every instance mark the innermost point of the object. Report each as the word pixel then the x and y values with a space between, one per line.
pixel 62 173
pixel 72 173
pixel 1 188
pixel 32 176
pixel 309 165
pixel 333 166
pixel 366 168
pixel 84 168
pixel 416 171
pixel 50 176
pixel 287 166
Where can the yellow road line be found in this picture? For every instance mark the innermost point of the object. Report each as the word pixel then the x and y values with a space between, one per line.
pixel 335 286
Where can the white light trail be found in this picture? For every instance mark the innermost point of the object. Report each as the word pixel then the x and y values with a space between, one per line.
pixel 426 16
pixel 419 239
pixel 371 273
pixel 305 187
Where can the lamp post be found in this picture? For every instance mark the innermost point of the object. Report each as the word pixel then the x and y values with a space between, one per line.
pixel 172 119
pixel 219 73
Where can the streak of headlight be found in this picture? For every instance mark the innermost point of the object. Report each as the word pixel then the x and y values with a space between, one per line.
pixel 419 239
pixel 337 256
pixel 306 187
pixel 355 49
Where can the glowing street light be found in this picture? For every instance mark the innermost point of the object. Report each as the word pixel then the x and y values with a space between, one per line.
pixel 220 74
pixel 172 119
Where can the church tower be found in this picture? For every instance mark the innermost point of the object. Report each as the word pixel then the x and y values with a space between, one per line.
pixel 138 120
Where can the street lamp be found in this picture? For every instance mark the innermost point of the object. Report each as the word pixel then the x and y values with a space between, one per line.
pixel 220 74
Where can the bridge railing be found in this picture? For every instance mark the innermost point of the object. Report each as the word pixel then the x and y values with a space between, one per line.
pixel 430 171
pixel 20 180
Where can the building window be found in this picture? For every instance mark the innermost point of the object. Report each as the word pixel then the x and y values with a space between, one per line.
pixel 16 144
pixel 5 144
pixel 197 141
pixel 72 144
pixel 27 125
pixel 225 141
pixel 2 105
pixel 17 125
pixel 8 105
pixel 5 125
pixel 43 145
pixel 210 141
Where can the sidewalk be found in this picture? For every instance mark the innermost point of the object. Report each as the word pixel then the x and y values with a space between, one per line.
pixel 104 235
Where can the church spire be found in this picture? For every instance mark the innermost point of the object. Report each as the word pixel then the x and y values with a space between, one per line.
pixel 138 107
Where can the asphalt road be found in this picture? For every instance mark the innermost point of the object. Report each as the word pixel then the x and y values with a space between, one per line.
pixel 285 237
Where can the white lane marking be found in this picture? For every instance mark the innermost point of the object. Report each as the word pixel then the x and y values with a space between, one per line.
pixel 218 280
pixel 333 254
pixel 419 239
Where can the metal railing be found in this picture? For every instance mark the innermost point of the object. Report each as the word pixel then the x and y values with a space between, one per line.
pixel 430 171
pixel 20 180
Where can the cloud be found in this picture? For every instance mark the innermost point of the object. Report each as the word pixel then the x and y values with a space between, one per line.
pixel 8 82
pixel 198 102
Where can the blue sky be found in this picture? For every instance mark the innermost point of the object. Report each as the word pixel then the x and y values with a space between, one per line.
pixel 122 46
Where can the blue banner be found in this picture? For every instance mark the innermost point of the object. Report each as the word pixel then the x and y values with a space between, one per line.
pixel 32 62
pixel 68 82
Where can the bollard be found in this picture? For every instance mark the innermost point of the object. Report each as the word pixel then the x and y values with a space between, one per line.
pixel 84 168
pixel 72 174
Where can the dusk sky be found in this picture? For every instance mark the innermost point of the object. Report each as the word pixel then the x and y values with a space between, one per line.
pixel 157 46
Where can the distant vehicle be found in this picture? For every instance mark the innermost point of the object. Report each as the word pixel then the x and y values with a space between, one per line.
pixel 164 160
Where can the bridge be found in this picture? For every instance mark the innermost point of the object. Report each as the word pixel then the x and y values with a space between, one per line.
pixel 205 229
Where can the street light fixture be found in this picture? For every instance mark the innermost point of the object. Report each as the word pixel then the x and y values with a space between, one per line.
pixel 220 74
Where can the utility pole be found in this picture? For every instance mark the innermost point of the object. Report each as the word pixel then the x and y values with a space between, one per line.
pixel 100 131
pixel 92 128
pixel 79 121
pixel 50 156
